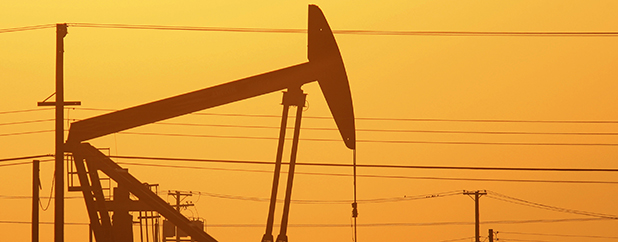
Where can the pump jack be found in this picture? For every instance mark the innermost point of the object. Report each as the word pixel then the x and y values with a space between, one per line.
pixel 325 66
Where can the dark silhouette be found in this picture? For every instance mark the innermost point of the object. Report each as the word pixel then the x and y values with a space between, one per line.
pixel 325 66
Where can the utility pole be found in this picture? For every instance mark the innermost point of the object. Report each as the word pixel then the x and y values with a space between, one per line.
pixel 36 182
pixel 491 235
pixel 177 195
pixel 61 32
pixel 477 194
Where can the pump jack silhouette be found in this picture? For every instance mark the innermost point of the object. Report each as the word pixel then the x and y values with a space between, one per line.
pixel 325 66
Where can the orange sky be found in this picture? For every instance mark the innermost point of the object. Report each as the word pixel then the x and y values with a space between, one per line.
pixel 473 77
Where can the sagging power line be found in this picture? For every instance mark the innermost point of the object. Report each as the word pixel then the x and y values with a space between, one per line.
pixel 519 201
pixel 488 168
pixel 361 225
pixel 335 140
pixel 380 176
pixel 345 32
pixel 359 129
pixel 392 119
pixel 379 141
pixel 378 166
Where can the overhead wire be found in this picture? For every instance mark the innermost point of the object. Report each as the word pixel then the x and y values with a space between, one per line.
pixel 27 122
pixel 27 132
pixel 380 176
pixel 524 240
pixel 25 157
pixel 51 192
pixel 387 130
pixel 377 141
pixel 346 32
pixel 15 164
pixel 502 197
pixel 561 235
pixel 459 239
pixel 420 224
pixel 26 110
pixel 396 130
pixel 360 225
pixel 317 201
pixel 26 28
pixel 355 32
pixel 40 222
pixel 358 129
pixel 30 197
pixel 390 119
pixel 375 165
pixel 426 119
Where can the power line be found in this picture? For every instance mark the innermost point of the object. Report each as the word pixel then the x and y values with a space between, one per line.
pixel 381 176
pixel 26 110
pixel 525 240
pixel 354 32
pixel 22 163
pixel 299 201
pixel 41 222
pixel 519 201
pixel 561 235
pixel 376 166
pixel 336 140
pixel 395 119
pixel 452 240
pixel 360 225
pixel 414 224
pixel 379 141
pixel 186 28
pixel 16 164
pixel 30 197
pixel 306 201
pixel 27 122
pixel 429 119
pixel 25 28
pixel 397 130
pixel 360 130
pixel 25 157
pixel 29 132
pixel 347 32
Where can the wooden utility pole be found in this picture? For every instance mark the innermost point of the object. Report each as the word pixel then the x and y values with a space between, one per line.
pixel 178 195
pixel 61 32
pixel 477 194
pixel 491 235
pixel 36 182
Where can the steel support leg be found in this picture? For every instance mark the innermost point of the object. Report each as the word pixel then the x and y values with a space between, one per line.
pixel 299 101
pixel 268 235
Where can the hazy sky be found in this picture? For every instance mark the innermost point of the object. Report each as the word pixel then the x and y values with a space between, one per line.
pixel 451 78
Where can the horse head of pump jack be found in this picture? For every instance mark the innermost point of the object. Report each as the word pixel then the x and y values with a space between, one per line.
pixel 325 65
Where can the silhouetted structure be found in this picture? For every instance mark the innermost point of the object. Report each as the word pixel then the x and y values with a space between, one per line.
pixel 61 32
pixel 477 194
pixel 36 183
pixel 325 66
